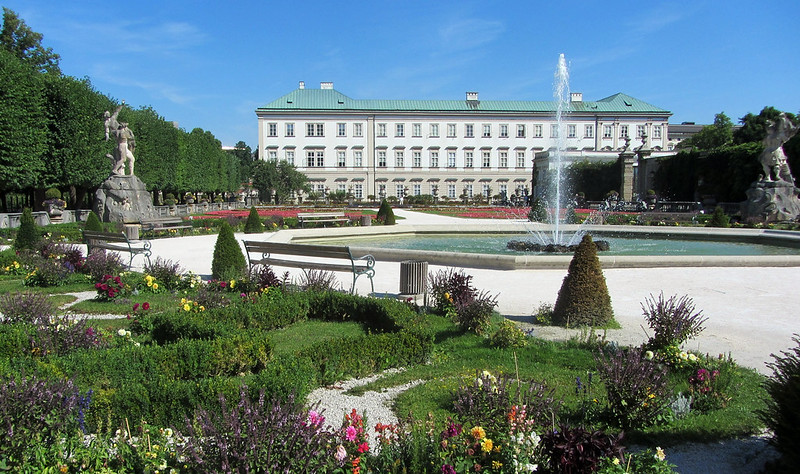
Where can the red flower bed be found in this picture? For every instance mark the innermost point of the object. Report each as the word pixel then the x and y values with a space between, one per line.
pixel 274 212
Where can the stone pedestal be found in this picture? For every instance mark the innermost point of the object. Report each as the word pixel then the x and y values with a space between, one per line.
pixel 771 201
pixel 123 199
pixel 626 186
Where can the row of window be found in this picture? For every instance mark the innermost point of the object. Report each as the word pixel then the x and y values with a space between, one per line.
pixel 450 190
pixel 317 129
pixel 470 158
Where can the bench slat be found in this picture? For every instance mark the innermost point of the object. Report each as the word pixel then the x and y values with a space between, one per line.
pixel 117 242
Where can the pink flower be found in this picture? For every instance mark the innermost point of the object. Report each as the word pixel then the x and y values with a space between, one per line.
pixel 136 306
pixel 363 447
pixel 145 306
pixel 350 433
pixel 341 454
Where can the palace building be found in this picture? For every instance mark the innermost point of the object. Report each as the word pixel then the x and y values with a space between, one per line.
pixel 446 148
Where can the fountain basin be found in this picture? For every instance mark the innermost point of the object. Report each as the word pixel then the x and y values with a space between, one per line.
pixel 338 236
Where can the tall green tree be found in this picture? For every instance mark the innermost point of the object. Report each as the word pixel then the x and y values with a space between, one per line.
pixel 157 148
pixel 278 179
pixel 23 127
pixel 244 155
pixel 713 136
pixel 26 45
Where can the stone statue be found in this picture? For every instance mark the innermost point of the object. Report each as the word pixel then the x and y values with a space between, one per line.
pixel 773 159
pixel 126 142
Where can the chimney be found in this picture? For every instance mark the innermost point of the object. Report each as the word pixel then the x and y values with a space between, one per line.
pixel 326 85
pixel 576 97
pixel 302 84
pixel 472 96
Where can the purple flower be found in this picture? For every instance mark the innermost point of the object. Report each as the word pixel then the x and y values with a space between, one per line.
pixel 448 469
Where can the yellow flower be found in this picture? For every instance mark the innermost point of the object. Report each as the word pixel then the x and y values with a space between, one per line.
pixel 496 465
pixel 202 308
pixel 233 283
pixel 478 432
pixel 660 454
pixel 486 445
pixel 187 307
pixel 616 461
pixel 155 286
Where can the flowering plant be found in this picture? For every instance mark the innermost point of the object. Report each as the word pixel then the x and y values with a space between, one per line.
pixel 191 306
pixel 705 386
pixel 353 442
pixel 152 285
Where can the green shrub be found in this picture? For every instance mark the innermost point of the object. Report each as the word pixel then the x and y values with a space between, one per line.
pixel 52 193
pixel 228 262
pixel 385 214
pixel 673 321
pixel 27 234
pixel 93 222
pixel 782 413
pixel 253 224
pixel 583 299
pixel 719 218
pixel 538 212
pixel 508 335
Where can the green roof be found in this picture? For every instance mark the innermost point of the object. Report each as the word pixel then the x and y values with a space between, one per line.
pixel 333 100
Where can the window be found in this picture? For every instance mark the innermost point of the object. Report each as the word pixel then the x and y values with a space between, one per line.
pixel 504 190
pixel 341 129
pixel 572 131
pixel 398 158
pixel 487 190
pixel 451 159
pixel 469 130
pixel 358 130
pixel 468 190
pixel 358 158
pixel 504 159
pixel 382 190
pixel 608 131
pixel 315 158
pixel 504 131
pixel 399 190
pixel 451 130
pixel 416 129
pixel 657 132
pixel 554 130
pixel 289 129
pixel 272 155
pixel 341 188
pixel 537 131
pixel 623 131
pixel 639 131
pixel 272 129
pixel 340 158
pixel 381 129
pixel 434 129
pixel 487 158
pixel 468 159
pixel 382 158
pixel 321 188
pixel 487 130
pixel 399 130
pixel 588 131
pixel 520 131
pixel 417 157
pixel 434 159
pixel 359 191
pixel 520 159
pixel 290 157
pixel 417 189
pixel 451 191
pixel 315 129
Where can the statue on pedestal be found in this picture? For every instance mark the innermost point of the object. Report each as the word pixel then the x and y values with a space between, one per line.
pixel 773 159
pixel 126 142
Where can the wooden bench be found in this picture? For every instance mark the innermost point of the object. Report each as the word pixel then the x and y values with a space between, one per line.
pixel 321 217
pixel 322 257
pixel 117 242
pixel 164 223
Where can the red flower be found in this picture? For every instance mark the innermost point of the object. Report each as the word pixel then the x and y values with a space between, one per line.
pixel 146 306
pixel 136 306
pixel 363 447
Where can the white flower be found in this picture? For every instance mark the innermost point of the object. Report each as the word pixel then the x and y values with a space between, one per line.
pixel 649 355
pixel 121 332
pixel 692 357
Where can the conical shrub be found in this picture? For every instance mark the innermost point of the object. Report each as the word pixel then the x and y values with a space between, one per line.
pixel 385 214
pixel 228 262
pixel 93 222
pixel 253 224
pixel 583 299
pixel 27 234
pixel 719 218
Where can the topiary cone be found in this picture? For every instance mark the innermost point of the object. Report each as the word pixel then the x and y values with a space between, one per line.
pixel 93 222
pixel 583 299
pixel 27 235
pixel 228 261
pixel 253 224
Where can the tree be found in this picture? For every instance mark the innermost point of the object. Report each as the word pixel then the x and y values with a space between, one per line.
pixel 712 136
pixel 26 45
pixel 754 127
pixel 583 299
pixel 27 234
pixel 279 177
pixel 385 214
pixel 244 155
pixel 253 224
pixel 228 261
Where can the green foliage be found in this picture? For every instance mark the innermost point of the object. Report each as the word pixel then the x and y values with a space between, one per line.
pixel 712 136
pixel 280 177
pixel 583 299
pixel 673 321
pixel 538 212
pixel 719 218
pixel 93 222
pixel 17 38
pixel 228 261
pixel 782 413
pixel 52 193
pixel 27 235
pixel 253 224
pixel 508 335
pixel 594 179
pixel 385 214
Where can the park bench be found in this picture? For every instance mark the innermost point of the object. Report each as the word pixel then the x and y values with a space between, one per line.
pixel 118 242
pixel 164 223
pixel 317 257
pixel 321 217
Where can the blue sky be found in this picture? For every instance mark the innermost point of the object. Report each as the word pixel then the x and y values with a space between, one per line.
pixel 211 64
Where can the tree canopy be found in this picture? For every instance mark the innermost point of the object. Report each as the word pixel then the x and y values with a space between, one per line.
pixel 279 177
pixel 712 136
pixel 25 44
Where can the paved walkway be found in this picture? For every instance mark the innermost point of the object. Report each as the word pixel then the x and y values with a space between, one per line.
pixel 752 312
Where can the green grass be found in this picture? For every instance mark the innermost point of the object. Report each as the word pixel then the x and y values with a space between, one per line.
pixel 299 336
pixel 124 305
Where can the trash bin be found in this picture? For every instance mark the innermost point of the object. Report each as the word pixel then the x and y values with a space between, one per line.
pixel 366 220
pixel 131 231
pixel 413 277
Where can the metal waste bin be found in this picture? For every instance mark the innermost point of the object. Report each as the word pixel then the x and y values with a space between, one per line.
pixel 413 277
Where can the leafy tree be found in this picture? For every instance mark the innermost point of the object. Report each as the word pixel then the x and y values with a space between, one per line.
pixel 18 39
pixel 27 235
pixel 712 136
pixel 157 148
pixel 754 127
pixel 594 179
pixel 23 126
pixel 279 177
pixel 228 261
pixel 244 155
pixel 583 299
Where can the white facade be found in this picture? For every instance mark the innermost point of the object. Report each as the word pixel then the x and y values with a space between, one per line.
pixel 442 148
